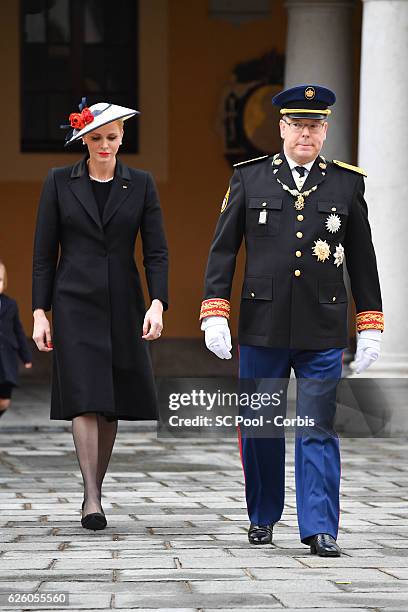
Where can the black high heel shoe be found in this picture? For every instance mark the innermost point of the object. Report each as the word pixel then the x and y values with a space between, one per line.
pixel 94 521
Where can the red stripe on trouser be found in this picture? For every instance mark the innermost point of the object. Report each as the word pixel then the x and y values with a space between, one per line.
pixel 240 452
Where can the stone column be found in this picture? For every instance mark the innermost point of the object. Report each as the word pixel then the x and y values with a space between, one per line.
pixel 383 153
pixel 319 49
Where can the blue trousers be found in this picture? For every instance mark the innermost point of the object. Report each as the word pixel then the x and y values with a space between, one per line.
pixel 317 454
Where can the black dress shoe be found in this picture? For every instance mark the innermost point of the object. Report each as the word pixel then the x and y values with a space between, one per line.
pixel 324 545
pixel 260 534
pixel 94 521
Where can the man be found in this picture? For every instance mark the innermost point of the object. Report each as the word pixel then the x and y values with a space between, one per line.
pixel 300 216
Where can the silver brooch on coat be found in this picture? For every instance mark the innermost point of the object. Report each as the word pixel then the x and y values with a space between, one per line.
pixel 339 255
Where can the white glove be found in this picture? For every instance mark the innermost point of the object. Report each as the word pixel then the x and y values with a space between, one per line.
pixel 217 336
pixel 368 349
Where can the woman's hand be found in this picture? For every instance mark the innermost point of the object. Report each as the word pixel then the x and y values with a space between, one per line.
pixel 28 366
pixel 42 332
pixel 153 321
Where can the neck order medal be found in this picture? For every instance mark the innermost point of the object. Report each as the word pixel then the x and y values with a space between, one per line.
pixel 300 196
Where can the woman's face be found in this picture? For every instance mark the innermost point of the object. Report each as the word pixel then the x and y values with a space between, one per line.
pixel 103 143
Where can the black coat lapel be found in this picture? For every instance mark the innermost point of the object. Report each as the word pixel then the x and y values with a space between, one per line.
pixel 316 175
pixel 81 187
pixel 121 188
pixel 284 173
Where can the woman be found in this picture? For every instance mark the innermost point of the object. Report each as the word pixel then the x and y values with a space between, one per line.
pixel 92 212
pixel 13 344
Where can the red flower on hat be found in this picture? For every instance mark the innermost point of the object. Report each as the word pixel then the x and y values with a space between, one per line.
pixel 79 120
pixel 87 115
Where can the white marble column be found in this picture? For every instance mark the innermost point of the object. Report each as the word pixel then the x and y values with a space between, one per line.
pixel 383 152
pixel 319 49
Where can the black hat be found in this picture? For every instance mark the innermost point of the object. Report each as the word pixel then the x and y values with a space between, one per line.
pixel 305 101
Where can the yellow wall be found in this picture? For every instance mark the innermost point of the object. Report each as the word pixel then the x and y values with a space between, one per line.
pixel 200 56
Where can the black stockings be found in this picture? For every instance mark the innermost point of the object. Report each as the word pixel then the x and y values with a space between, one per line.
pixel 94 438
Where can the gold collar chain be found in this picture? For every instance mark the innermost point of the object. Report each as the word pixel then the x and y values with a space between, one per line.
pixel 300 201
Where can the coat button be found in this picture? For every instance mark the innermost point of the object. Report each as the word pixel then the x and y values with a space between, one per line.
pixel 300 217
pixel 299 234
pixel 334 298
pixel 252 294
pixel 334 208
pixel 297 273
pixel 298 253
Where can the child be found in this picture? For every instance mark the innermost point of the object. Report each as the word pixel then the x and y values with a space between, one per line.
pixel 13 344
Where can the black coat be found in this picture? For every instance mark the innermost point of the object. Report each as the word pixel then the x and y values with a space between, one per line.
pixel 13 341
pixel 289 298
pixel 101 364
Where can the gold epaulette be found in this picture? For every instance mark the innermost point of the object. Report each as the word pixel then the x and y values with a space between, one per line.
pixel 349 167
pixel 249 161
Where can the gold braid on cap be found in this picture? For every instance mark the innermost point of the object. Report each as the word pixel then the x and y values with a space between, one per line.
pixel 285 111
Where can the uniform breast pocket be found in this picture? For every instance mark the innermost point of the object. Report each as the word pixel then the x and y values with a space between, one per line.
pixel 264 216
pixel 334 215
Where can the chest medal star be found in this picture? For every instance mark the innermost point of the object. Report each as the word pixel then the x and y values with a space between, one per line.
pixel 339 255
pixel 333 223
pixel 321 250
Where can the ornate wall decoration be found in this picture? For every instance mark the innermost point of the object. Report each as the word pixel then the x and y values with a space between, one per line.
pixel 248 119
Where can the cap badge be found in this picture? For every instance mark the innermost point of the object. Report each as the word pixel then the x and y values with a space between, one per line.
pixel 310 93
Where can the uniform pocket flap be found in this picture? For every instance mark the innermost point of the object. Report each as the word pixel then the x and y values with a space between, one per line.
pixel 267 203
pixel 258 288
pixel 328 206
pixel 332 293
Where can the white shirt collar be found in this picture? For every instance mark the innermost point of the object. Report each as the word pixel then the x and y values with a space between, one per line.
pixel 293 164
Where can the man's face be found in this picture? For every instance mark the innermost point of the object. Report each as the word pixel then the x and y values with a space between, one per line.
pixel 303 138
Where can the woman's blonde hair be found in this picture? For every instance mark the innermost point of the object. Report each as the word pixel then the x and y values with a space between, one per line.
pixel 3 265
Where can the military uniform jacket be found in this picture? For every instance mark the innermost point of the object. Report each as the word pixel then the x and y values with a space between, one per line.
pixel 291 298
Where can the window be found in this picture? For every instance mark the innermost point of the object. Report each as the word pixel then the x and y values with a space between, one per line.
pixel 70 49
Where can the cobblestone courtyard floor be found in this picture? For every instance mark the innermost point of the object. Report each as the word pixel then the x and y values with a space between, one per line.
pixel 176 536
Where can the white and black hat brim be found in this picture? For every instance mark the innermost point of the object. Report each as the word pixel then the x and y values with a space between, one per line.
pixel 104 113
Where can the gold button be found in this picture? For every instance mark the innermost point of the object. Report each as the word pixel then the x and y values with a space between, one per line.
pixel 334 298
pixel 252 294
pixel 299 234
pixel 334 208
pixel 298 253
pixel 300 217
pixel 264 203
pixel 297 272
